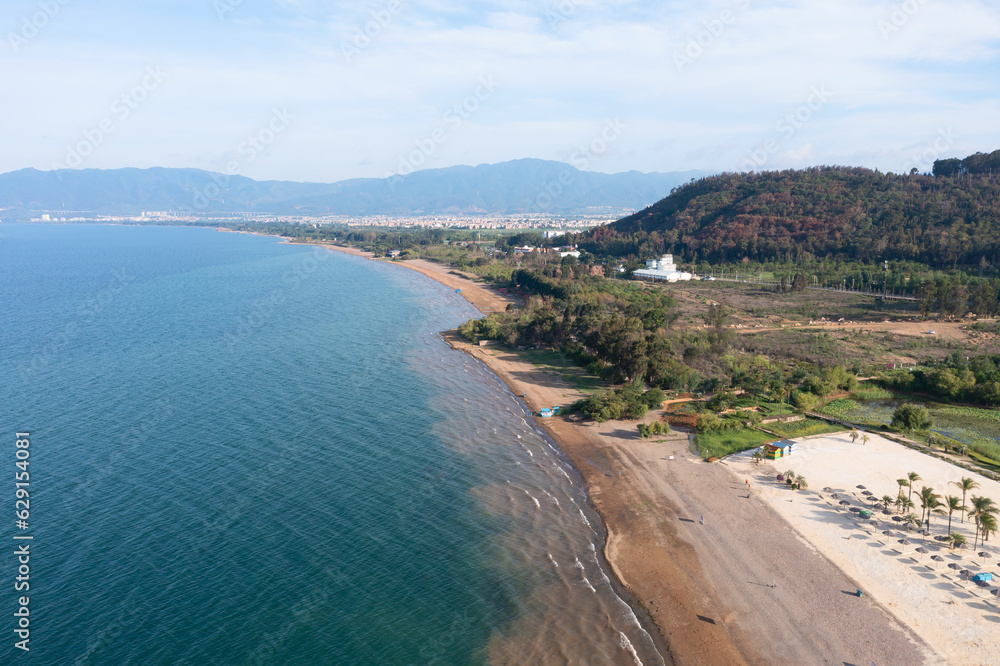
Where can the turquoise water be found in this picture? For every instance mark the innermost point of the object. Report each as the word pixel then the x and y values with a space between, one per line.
pixel 246 452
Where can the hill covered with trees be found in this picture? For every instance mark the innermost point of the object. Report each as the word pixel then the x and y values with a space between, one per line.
pixel 944 221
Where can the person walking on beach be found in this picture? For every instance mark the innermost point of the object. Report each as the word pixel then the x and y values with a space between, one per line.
pixel 702 519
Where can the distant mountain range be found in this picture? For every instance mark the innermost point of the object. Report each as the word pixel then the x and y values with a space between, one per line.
pixel 516 187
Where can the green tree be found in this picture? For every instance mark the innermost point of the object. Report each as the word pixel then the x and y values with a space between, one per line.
pixel 966 484
pixel 911 417
pixel 913 478
pixel 953 504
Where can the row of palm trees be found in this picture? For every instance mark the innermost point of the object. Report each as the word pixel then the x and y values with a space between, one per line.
pixel 856 435
pixel 983 510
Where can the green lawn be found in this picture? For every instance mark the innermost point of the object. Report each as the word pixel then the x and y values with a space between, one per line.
pixel 723 442
pixel 803 428
pixel 558 363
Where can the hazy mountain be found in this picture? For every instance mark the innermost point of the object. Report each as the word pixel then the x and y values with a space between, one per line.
pixel 518 186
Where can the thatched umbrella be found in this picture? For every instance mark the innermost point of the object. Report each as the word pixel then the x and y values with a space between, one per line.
pixel 922 550
pixel 828 489
pixel 860 487
pixel 886 512
pixel 984 555
pixel 898 519
pixel 887 533
pixel 854 509
pixel 983 583
pixel 844 503
pixel 937 558
pixel 904 543
pixel 954 565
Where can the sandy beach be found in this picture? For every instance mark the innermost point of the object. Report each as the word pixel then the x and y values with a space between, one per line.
pixel 744 587
pixel 956 618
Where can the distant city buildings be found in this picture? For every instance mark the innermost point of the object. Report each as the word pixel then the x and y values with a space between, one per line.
pixel 554 226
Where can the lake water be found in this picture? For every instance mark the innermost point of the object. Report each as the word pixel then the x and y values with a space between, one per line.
pixel 248 452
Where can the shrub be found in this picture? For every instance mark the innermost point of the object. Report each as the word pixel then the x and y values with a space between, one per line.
pixel 911 417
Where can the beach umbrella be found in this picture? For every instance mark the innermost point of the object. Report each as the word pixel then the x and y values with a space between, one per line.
pixel 844 502
pixel 854 509
pixel 996 592
pixel 828 489
pixel 860 487
pixel 922 550
pixel 985 555
pixel 954 565
pixel 937 558
pixel 886 512
pixel 940 537
pixel 887 533
pixel 982 583
pixel 897 518
pixel 867 492
pixel 904 542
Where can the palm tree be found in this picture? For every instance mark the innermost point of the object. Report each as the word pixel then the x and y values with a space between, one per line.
pixel 988 524
pixel 912 476
pixel 956 539
pixel 854 435
pixel 953 504
pixel 905 503
pixel 865 439
pixel 911 520
pixel 903 483
pixel 801 480
pixel 966 484
pixel 929 501
pixel 887 501
pixel 982 506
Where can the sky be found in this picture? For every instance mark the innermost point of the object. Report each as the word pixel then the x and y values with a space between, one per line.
pixel 315 90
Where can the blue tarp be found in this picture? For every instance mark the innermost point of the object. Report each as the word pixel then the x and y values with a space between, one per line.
pixel 985 576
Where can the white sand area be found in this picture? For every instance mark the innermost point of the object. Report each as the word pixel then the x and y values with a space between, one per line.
pixel 960 620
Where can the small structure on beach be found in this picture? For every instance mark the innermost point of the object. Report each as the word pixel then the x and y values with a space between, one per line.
pixel 779 449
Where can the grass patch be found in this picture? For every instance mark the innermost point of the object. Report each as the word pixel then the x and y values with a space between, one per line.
pixel 803 428
pixel 872 393
pixel 560 364
pixel 723 442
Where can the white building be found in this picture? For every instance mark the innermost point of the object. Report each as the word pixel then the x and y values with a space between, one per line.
pixel 662 269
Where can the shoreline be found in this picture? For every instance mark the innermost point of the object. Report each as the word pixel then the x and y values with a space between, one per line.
pixel 699 590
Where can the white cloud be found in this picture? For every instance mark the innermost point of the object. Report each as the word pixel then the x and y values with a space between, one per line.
pixel 606 59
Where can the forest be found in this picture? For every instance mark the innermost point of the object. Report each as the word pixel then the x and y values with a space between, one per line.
pixel 943 221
